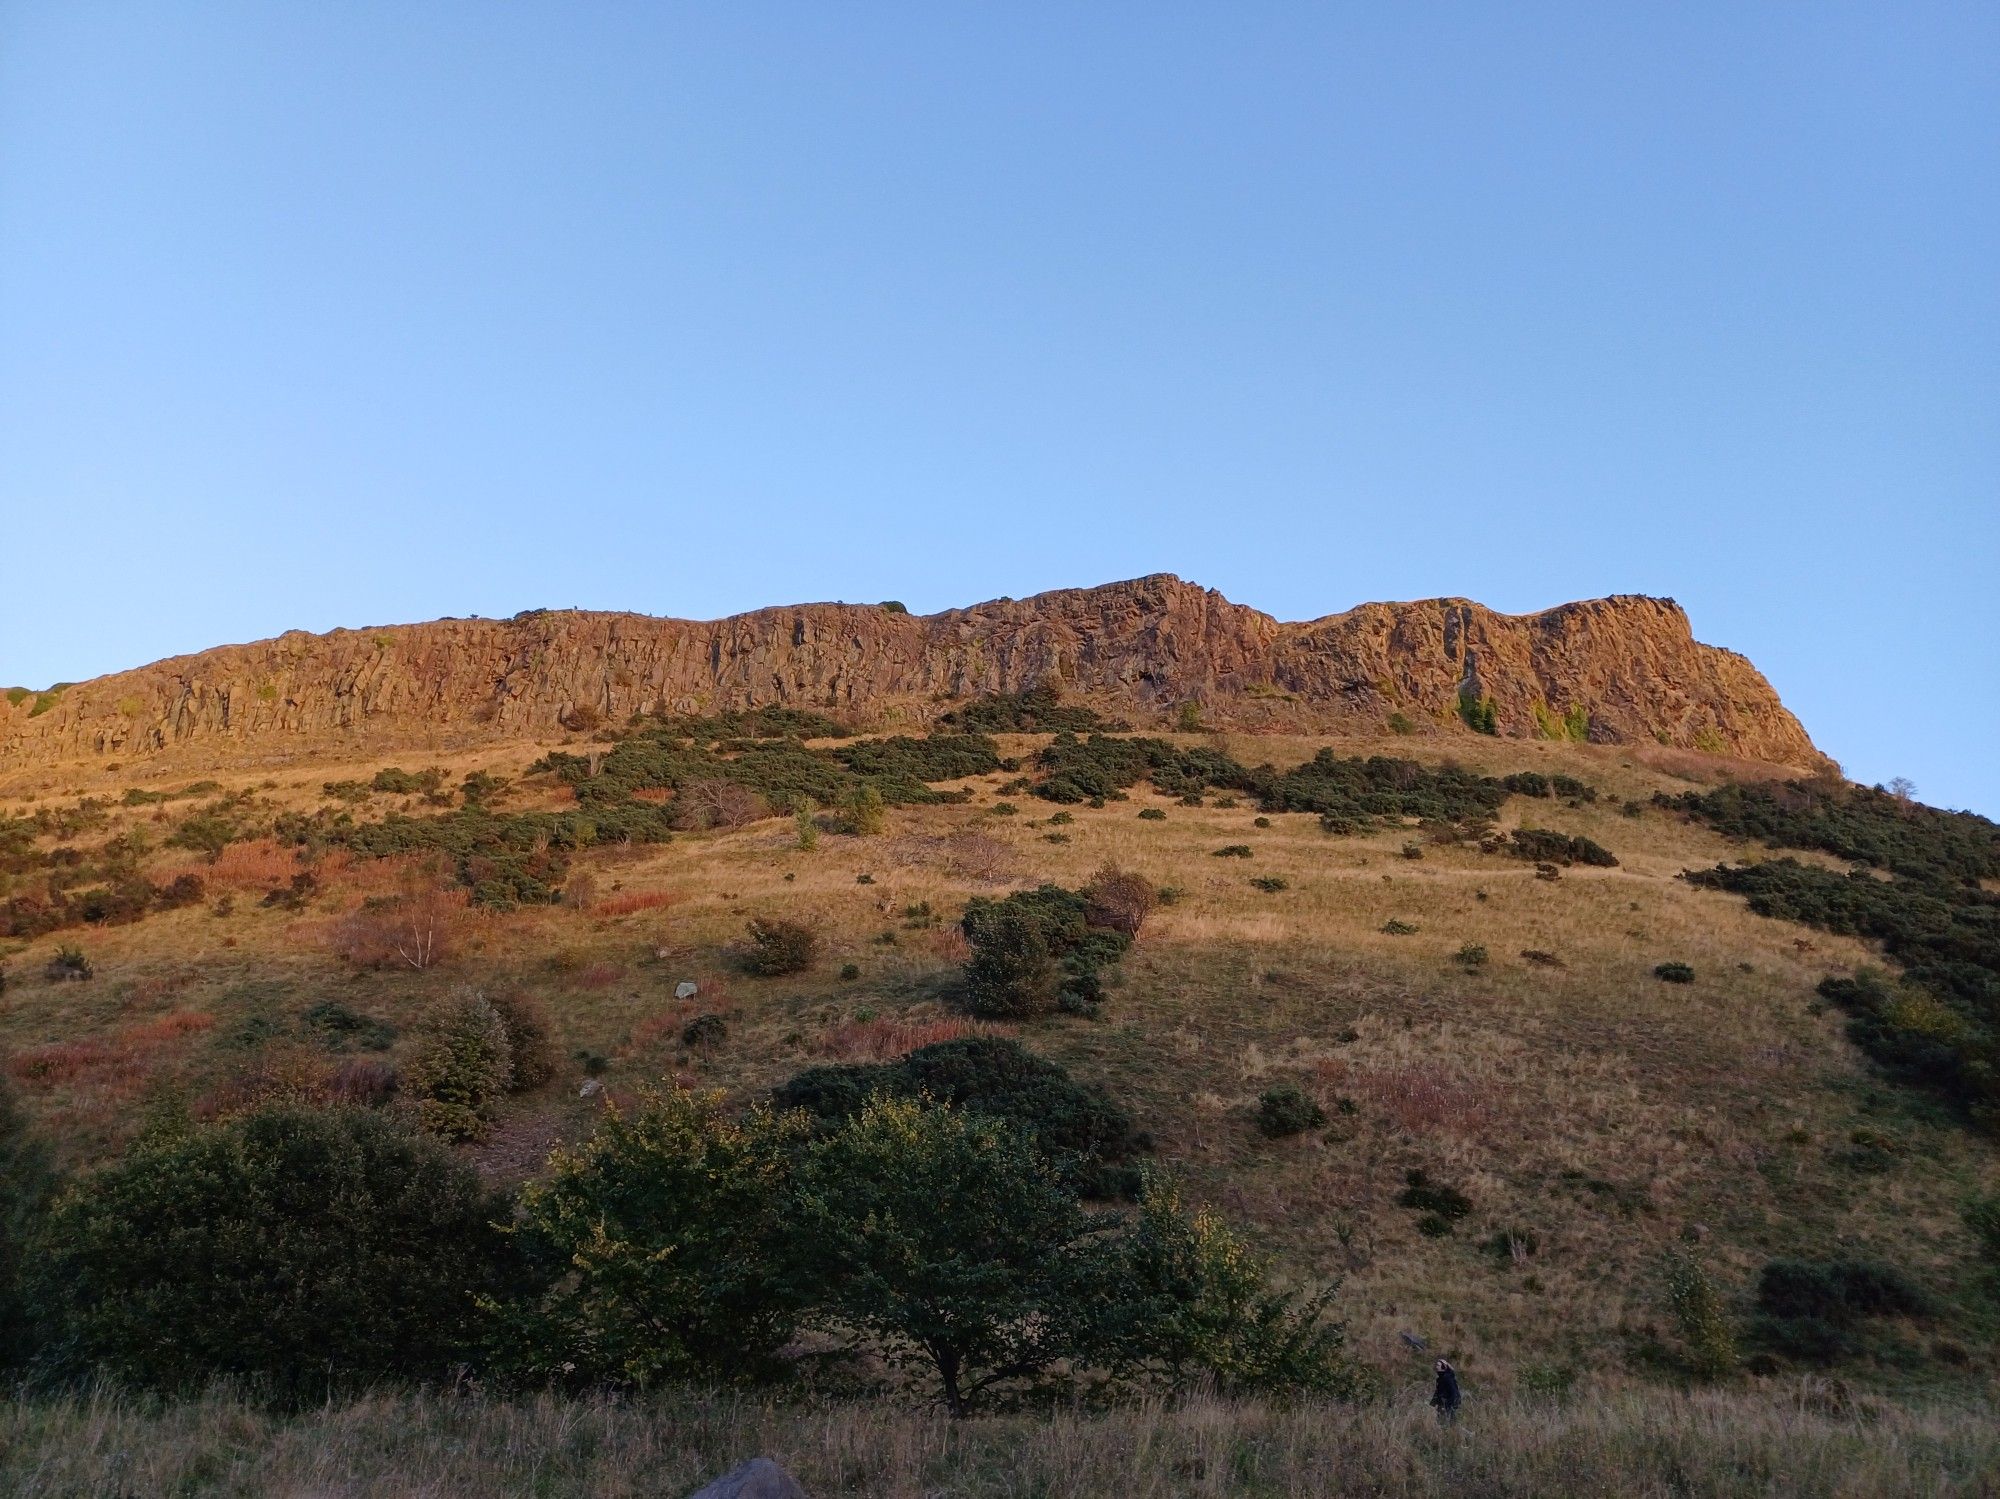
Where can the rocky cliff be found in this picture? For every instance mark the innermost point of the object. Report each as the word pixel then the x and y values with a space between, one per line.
pixel 1626 668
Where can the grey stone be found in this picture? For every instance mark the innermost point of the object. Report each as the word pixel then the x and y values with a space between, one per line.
pixel 590 1089
pixel 686 989
pixel 760 1478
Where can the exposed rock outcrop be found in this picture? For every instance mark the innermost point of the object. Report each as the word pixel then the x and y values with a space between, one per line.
pixel 1629 665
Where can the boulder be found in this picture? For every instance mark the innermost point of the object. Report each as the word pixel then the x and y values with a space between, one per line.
pixel 760 1478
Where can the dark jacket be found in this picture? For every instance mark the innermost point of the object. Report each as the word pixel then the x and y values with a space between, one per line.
pixel 1446 1397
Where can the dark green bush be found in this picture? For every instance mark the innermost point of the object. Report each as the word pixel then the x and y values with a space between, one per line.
pixel 1866 826
pixel 461 1066
pixel 1271 884
pixel 1674 973
pixel 1840 1290
pixel 1152 814
pixel 1420 1194
pixel 703 1031
pixel 779 947
pixel 1086 1135
pixel 1287 1110
pixel 1036 950
pixel 299 1251
pixel 1543 846
pixel 662 1251
pixel 1039 710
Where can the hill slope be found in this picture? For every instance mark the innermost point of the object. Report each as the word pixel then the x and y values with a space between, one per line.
pixel 1143 648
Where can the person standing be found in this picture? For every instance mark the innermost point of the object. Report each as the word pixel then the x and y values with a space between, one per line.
pixel 1445 1398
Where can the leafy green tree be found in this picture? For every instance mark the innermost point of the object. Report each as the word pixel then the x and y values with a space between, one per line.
pixel 947 1241
pixel 866 814
pixel 26 1182
pixel 662 1250
pixel 1184 1299
pixel 1706 1334
pixel 298 1250
pixel 462 1065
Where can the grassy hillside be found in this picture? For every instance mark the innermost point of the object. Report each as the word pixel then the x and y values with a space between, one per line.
pixel 1454 1010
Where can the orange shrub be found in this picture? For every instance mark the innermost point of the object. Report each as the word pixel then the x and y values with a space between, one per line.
pixel 415 930
pixel 150 1033
pixel 631 902
pixel 255 864
pixel 887 1036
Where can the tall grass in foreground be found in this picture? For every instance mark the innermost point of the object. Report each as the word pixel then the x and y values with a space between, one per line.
pixel 1633 1443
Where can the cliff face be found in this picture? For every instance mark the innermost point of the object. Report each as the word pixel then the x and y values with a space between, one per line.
pixel 1140 649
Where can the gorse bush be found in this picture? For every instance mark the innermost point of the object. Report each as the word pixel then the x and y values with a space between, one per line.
pixel 1035 951
pixel 1543 846
pixel 1811 1310
pixel 1940 1028
pixel 1866 826
pixel 1039 710
pixel 296 1250
pixel 1287 1110
pixel 1087 1138
pixel 779 947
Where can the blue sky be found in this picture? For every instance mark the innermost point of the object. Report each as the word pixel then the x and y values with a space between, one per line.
pixel 318 315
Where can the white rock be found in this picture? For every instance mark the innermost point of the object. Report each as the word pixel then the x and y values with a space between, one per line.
pixel 686 989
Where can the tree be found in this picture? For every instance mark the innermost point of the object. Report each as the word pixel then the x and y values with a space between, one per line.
pixel 1709 1340
pixel 866 814
pixel 299 1250
pixel 949 1241
pixel 462 1065
pixel 662 1249
pixel 26 1182
pixel 1183 1298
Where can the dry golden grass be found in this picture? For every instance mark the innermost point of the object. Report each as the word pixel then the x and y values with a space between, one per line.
pixel 1603 1112
pixel 1781 1442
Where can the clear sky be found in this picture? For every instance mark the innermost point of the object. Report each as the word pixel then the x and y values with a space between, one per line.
pixel 348 314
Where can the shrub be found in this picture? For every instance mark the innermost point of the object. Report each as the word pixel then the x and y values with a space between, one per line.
pixel 1118 901
pixel 1674 973
pixel 1085 1135
pixel 703 1031
pixel 344 1029
pixel 1036 950
pixel 1234 851
pixel 298 1250
pixel 866 815
pixel 69 965
pixel 1541 846
pixel 1188 1302
pixel 779 947
pixel 416 929
pixel 716 802
pixel 531 1041
pixel 1982 1221
pixel 1152 814
pixel 26 1182
pixel 1287 1110
pixel 1707 1339
pixel 1395 927
pixel 1447 1205
pixel 1271 884
pixel 1039 710
pixel 1840 1291
pixel 945 1240
pixel 1471 955
pixel 461 1066
pixel 1480 713
pixel 662 1247
pixel 806 826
